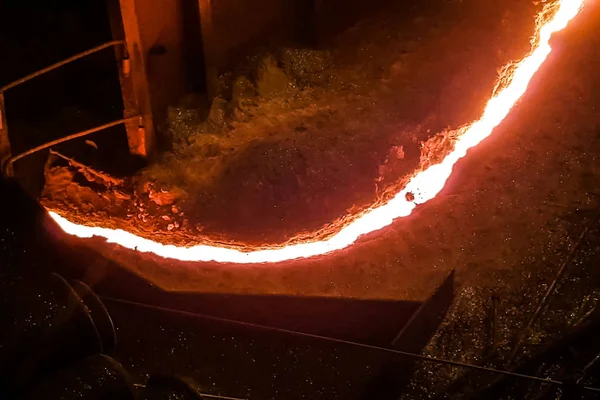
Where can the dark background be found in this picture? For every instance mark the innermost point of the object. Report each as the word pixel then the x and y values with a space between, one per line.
pixel 83 94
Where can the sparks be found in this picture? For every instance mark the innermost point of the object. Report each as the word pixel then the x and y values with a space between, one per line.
pixel 424 186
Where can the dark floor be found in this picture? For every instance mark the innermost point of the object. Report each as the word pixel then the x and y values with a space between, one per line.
pixel 167 333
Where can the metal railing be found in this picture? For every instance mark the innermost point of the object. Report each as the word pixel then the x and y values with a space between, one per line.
pixel 8 161
pixel 61 63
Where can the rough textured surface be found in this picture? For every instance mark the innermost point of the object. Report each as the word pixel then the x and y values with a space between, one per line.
pixel 323 138
pixel 503 209
pixel 506 220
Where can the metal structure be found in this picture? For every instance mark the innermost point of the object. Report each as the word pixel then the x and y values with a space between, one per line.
pixel 6 157
pixel 168 48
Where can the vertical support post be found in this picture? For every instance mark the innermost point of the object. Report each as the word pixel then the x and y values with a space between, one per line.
pixel 211 57
pixel 5 150
pixel 135 87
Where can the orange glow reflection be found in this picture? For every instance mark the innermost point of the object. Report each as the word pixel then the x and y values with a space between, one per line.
pixel 425 185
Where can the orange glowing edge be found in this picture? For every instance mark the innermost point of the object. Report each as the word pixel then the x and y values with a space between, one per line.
pixel 424 186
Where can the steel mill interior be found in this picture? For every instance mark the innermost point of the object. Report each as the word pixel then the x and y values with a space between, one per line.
pixel 299 199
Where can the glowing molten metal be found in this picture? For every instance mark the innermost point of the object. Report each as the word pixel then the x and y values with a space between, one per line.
pixel 424 186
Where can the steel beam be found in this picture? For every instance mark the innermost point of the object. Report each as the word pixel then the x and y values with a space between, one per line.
pixel 5 150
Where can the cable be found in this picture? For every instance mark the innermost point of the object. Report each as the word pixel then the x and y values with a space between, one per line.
pixel 61 63
pixel 366 346
pixel 215 396
pixel 542 303
pixel 7 165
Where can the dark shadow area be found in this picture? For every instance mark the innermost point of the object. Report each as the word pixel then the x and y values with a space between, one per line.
pixel 177 333
pixel 83 94
pixel 240 361
pixel 334 16
pixel 343 318
pixel 305 22
pixel 193 48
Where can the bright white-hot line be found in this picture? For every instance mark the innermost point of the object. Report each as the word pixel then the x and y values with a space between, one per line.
pixel 424 186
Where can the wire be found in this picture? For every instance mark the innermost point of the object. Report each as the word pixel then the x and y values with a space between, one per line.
pixel 544 300
pixel 215 396
pixel 7 165
pixel 61 63
pixel 366 346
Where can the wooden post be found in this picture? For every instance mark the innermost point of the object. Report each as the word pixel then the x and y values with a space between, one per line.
pixel 211 57
pixel 5 150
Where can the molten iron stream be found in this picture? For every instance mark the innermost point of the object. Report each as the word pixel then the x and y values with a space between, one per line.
pixel 424 186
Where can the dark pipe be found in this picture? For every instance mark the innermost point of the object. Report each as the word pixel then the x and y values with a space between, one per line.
pixel 96 378
pixel 99 313
pixel 45 325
